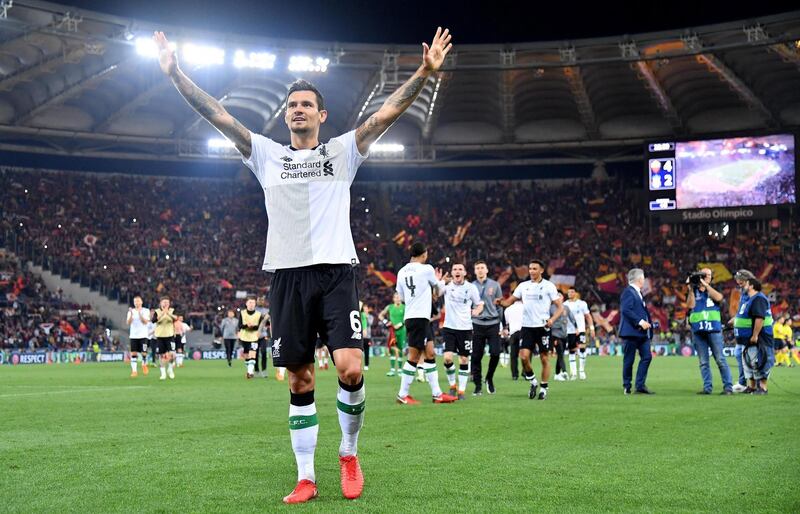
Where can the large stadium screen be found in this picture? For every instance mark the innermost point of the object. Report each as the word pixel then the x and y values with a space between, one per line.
pixel 730 172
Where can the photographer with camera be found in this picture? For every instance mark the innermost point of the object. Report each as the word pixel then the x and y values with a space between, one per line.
pixel 704 303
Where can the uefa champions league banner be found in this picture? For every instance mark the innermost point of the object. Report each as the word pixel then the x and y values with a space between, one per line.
pixel 59 357
pixel 27 358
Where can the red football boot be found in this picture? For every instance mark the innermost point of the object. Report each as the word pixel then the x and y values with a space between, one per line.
pixel 352 478
pixel 408 400
pixel 304 491
pixel 445 398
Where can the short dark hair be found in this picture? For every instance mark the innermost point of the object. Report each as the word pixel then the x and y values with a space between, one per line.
pixel 250 297
pixel 304 85
pixel 537 261
pixel 480 261
pixel 164 298
pixel 459 263
pixel 418 249
pixel 753 281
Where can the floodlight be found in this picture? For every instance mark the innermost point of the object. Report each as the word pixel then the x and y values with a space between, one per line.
pixel 260 60
pixel 386 148
pixel 202 54
pixel 307 63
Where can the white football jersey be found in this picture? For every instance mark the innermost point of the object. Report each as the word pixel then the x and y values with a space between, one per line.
pixel 414 282
pixel 307 195
pixel 138 330
pixel 536 299
pixel 579 310
pixel 458 303
pixel 513 315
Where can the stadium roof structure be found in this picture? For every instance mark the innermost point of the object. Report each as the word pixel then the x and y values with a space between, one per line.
pixel 75 82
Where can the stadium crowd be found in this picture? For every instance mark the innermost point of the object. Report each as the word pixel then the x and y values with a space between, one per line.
pixel 202 240
pixel 198 241
pixel 35 318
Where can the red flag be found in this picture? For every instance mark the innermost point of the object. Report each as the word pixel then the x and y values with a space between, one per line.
pixel 19 285
pixel 659 314
pixel 461 231
pixel 225 284
pixel 403 238
pixel 608 283
pixel 66 328
pixel 388 278
pixel 505 275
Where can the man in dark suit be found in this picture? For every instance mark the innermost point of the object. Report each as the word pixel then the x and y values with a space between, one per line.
pixel 635 332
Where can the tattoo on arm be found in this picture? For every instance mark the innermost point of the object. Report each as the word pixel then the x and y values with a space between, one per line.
pixel 406 94
pixel 368 129
pixel 392 108
pixel 202 102
pixel 213 111
pixel 239 135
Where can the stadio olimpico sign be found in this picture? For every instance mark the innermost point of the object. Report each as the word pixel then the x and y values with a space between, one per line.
pixel 720 214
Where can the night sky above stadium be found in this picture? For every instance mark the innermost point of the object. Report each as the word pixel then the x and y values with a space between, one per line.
pixel 374 21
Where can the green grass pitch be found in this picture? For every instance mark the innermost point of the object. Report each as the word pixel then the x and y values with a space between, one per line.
pixel 87 438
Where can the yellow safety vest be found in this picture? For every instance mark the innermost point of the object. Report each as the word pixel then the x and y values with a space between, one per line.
pixel 250 336
pixel 164 326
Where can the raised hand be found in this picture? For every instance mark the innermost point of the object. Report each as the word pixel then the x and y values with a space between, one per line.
pixel 166 55
pixel 433 55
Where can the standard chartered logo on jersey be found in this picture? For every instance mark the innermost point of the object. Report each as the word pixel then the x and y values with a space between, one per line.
pixel 302 170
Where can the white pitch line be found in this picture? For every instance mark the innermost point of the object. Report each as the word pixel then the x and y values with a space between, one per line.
pixel 88 389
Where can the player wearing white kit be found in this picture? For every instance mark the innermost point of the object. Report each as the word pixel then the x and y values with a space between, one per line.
pixel 415 283
pixel 181 329
pixel 462 302
pixel 310 247
pixel 576 333
pixel 137 319
pixel 536 294
pixel 151 341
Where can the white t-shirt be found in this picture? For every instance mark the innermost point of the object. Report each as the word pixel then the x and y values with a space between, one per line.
pixel 579 310
pixel 151 330
pixel 513 315
pixel 184 329
pixel 536 299
pixel 458 303
pixel 307 195
pixel 414 282
pixel 138 330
